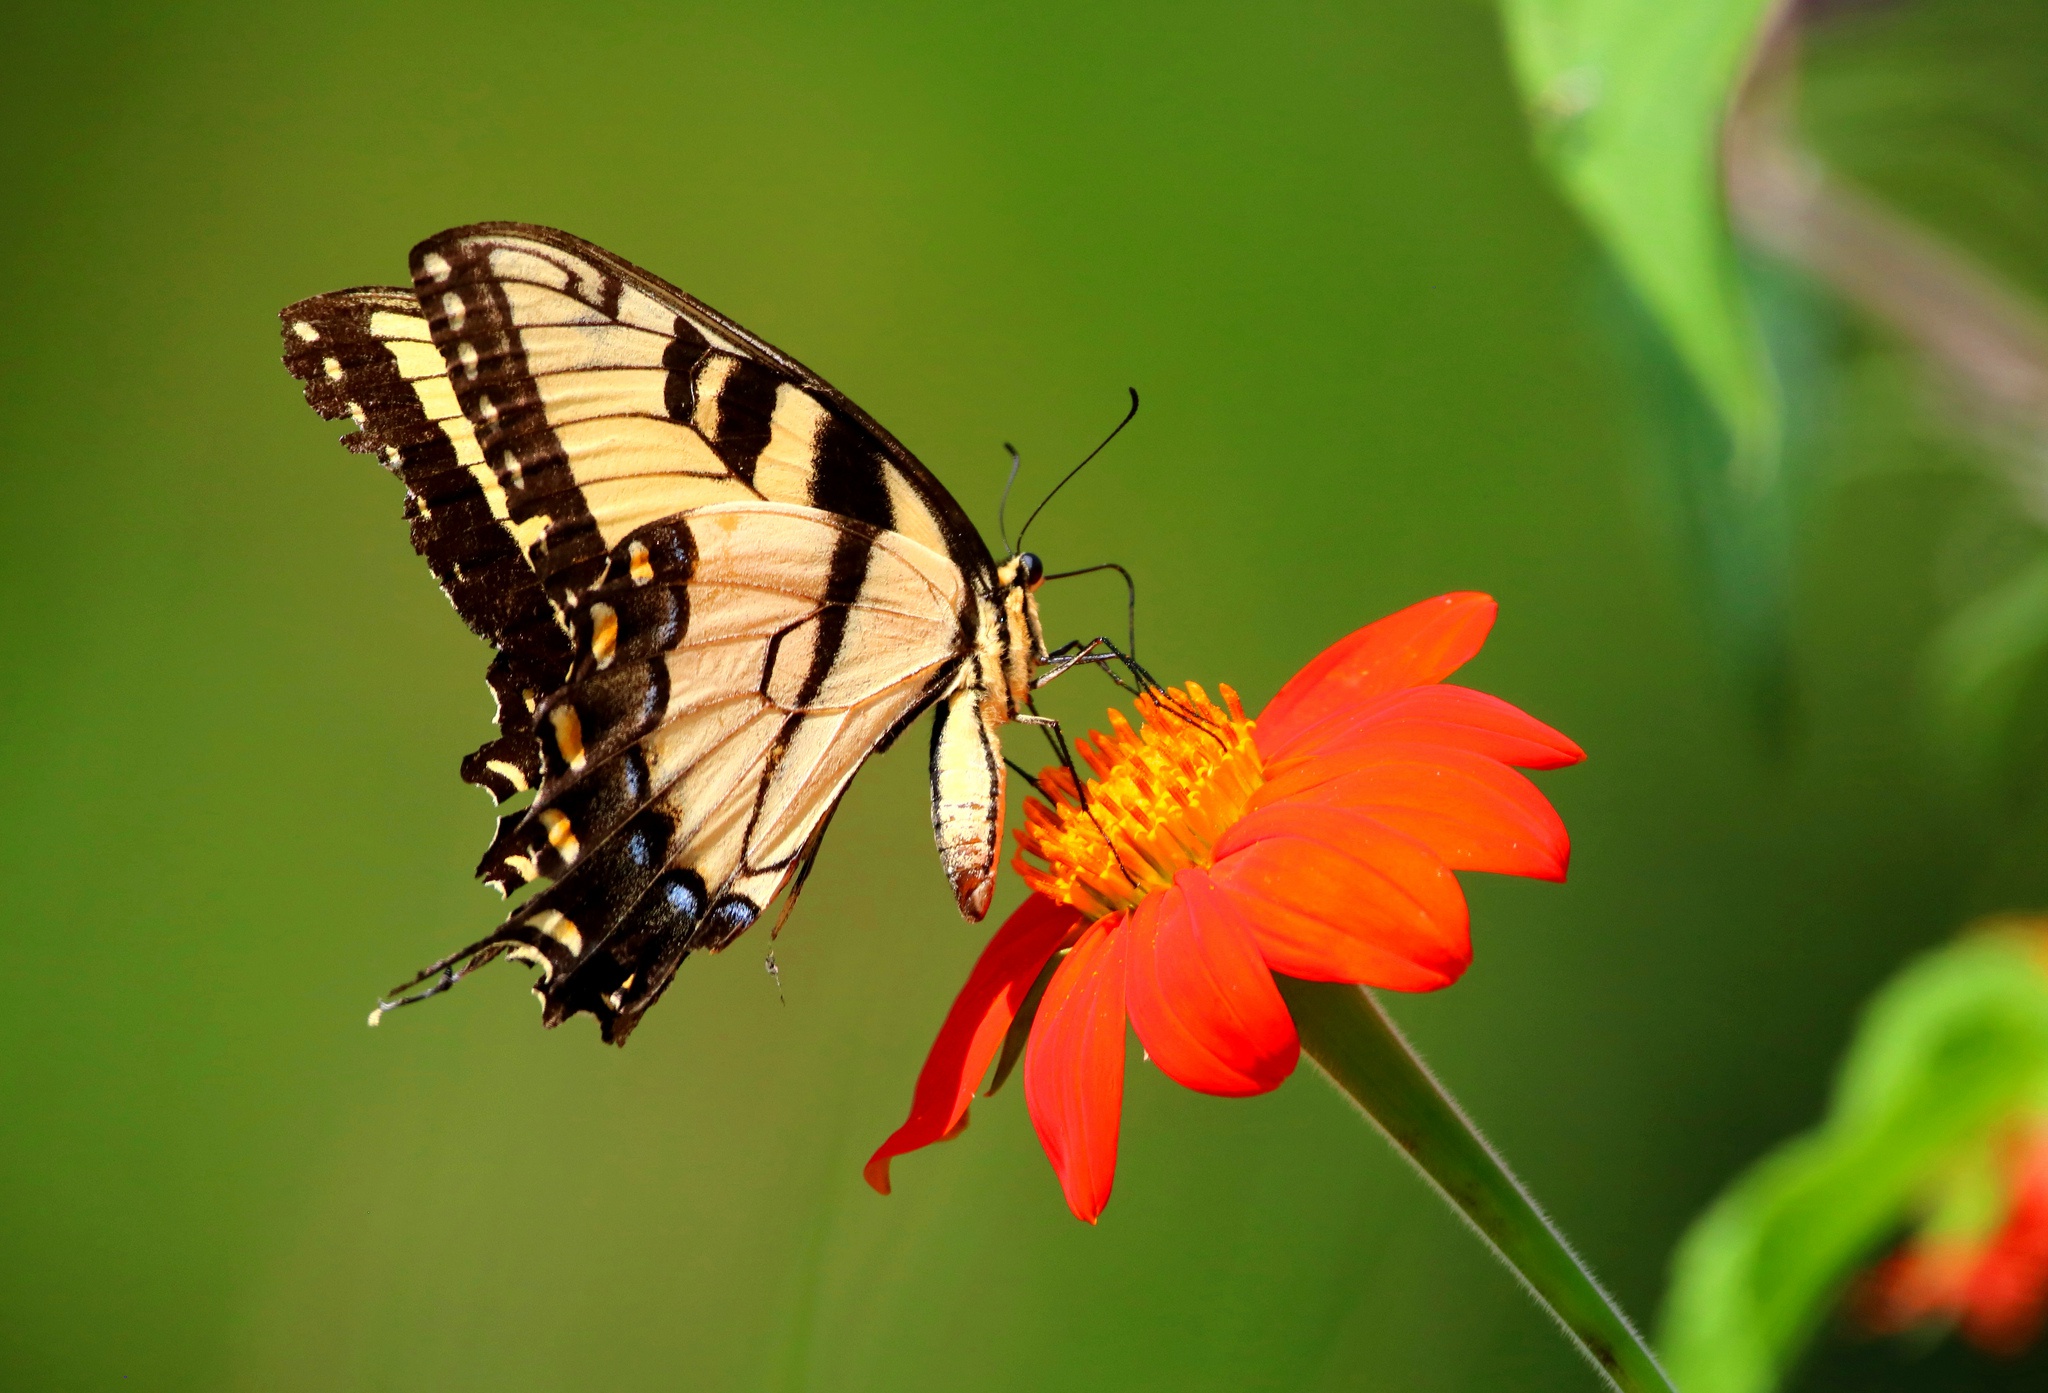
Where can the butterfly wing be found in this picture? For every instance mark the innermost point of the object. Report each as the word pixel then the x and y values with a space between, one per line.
pixel 727 687
pixel 733 585
pixel 604 398
pixel 368 355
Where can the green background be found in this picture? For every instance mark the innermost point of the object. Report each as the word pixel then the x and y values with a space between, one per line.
pixel 232 702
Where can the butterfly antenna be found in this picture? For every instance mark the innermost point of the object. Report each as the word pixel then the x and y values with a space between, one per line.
pixel 1128 415
pixel 1002 508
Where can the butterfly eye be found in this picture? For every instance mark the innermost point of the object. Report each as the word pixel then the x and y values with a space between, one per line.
pixel 1030 570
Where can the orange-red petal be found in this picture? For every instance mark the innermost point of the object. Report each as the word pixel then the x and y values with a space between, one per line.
pixel 974 1028
pixel 2006 1302
pixel 1474 813
pixel 1074 1067
pixel 1423 643
pixel 1440 714
pixel 1200 996
pixel 1922 1283
pixel 1332 895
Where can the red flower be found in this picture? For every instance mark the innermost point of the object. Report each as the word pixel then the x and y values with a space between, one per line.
pixel 1994 1282
pixel 1214 852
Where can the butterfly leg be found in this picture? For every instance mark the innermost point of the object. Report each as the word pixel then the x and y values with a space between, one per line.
pixel 1098 652
pixel 1068 656
pixel 1057 737
pixel 1101 653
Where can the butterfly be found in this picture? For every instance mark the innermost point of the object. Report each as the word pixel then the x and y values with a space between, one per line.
pixel 715 587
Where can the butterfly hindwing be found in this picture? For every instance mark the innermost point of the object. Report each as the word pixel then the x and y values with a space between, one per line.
pixel 707 735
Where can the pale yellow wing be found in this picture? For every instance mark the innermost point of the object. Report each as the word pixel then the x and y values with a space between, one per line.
pixel 735 668
pixel 604 399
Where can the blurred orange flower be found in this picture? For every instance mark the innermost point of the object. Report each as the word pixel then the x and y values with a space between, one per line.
pixel 1213 851
pixel 1993 1282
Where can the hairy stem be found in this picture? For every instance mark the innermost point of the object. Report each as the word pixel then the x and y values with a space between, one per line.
pixel 1346 1033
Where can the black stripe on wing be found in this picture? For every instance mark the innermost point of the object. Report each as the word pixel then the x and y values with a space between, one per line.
pixel 733 407
pixel 479 339
pixel 350 371
pixel 851 476
pixel 853 442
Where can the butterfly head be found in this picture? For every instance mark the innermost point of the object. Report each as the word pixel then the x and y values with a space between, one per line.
pixel 1025 571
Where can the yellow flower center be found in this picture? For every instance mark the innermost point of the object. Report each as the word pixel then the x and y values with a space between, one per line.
pixel 1161 798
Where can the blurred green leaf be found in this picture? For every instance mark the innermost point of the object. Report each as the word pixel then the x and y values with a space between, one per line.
pixel 1979 665
pixel 1949 1049
pixel 1627 99
pixel 1736 543
pixel 1940 110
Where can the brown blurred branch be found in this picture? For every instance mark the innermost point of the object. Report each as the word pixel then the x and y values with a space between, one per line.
pixel 1987 341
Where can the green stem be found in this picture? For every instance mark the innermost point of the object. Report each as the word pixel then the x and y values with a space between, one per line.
pixel 1345 1031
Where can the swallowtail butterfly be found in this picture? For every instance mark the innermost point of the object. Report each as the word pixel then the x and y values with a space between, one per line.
pixel 714 584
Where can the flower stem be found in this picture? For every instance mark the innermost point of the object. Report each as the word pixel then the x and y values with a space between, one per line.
pixel 1346 1033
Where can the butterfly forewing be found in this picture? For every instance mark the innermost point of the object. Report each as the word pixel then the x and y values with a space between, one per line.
pixel 368 355
pixel 605 399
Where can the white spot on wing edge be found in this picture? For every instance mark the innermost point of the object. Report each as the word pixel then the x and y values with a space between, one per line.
pixel 525 533
pixel 533 957
pixel 511 773
pixel 561 929
pixel 457 312
pixel 436 266
pixel 308 334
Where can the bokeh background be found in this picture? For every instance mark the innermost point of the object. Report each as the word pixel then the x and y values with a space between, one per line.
pixel 1376 366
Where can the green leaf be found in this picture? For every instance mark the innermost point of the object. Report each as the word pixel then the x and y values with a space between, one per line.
pixel 1736 543
pixel 1979 665
pixel 1946 1053
pixel 1627 98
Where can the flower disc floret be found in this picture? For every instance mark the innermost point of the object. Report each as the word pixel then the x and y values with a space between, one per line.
pixel 1162 797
